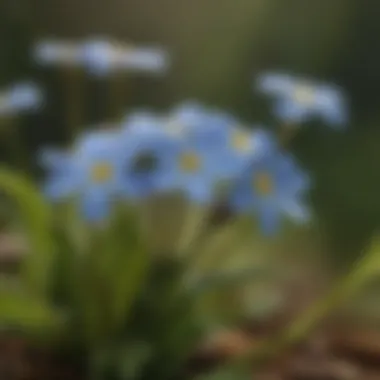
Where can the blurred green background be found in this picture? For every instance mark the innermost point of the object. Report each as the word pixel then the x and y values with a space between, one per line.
pixel 217 47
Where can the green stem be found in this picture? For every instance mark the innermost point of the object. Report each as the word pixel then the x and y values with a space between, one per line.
pixel 18 152
pixel 364 270
pixel 115 95
pixel 73 84
pixel 287 133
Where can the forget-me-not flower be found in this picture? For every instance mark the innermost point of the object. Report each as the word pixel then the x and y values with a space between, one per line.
pixel 234 144
pixel 147 160
pixel 90 173
pixel 271 188
pixel 174 159
pixel 298 100
pixel 55 52
pixel 102 57
pixel 152 60
pixel 24 97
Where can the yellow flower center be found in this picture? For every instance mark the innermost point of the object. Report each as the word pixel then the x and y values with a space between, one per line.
pixel 101 172
pixel 304 94
pixel 241 141
pixel 263 184
pixel 189 162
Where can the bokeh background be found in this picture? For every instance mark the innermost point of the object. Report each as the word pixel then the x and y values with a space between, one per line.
pixel 217 47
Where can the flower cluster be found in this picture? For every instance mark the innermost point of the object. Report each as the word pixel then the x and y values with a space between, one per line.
pixel 100 57
pixel 191 149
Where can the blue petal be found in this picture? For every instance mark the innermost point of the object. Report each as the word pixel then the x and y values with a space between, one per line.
pixel 52 158
pixel 141 121
pixel 295 210
pixel 60 188
pixel 275 83
pixel 289 111
pixel 199 191
pixel 95 205
pixel 96 56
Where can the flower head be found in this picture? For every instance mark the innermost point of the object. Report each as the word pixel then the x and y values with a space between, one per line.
pixel 89 173
pixel 272 187
pixel 227 145
pixel 146 162
pixel 54 52
pixel 197 170
pixel 24 97
pixel 100 57
pixel 153 60
pixel 297 99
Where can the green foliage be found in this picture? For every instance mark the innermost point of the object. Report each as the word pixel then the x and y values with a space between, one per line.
pixel 128 294
pixel 35 214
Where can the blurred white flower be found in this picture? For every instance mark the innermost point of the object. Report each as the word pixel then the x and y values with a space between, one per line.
pixel 154 60
pixel 102 57
pixel 54 52
pixel 98 57
pixel 25 96
pixel 299 99
pixel 5 108
pixel 19 98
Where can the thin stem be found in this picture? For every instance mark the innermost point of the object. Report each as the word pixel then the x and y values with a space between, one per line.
pixel 364 270
pixel 73 84
pixel 15 144
pixel 288 132
pixel 116 95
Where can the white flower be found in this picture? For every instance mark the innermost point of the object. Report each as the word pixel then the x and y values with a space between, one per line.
pixel 24 97
pixel 54 52
pixel 144 59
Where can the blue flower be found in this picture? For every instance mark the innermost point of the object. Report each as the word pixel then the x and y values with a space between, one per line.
pixel 188 120
pixel 220 135
pixel 90 173
pixel 153 60
pixel 182 157
pixel 100 57
pixel 56 52
pixel 197 170
pixel 146 162
pixel 238 146
pixel 298 100
pixel 24 97
pixel 271 188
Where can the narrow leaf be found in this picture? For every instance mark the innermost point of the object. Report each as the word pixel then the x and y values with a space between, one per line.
pixel 35 214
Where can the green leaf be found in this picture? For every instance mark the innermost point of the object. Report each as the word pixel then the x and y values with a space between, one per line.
pixel 21 310
pixel 35 214
pixel 221 281
pixel 129 265
pixel 130 360
pixel 125 361
pixel 92 298
pixel 217 247
pixel 162 218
